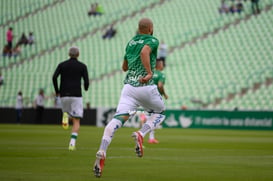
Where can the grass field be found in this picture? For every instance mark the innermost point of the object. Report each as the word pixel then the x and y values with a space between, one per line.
pixel 31 152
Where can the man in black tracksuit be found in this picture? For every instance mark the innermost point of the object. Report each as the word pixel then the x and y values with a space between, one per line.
pixel 71 71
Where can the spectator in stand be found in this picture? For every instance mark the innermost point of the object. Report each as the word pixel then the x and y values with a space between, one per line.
pixel 93 9
pixel 39 105
pixel 1 79
pixel 88 105
pixel 239 6
pixel 9 36
pixel 19 107
pixel 255 6
pixel 23 40
pixel 96 9
pixel 233 8
pixel 110 33
pixel 16 50
pixel 162 52
pixel 7 51
pixel 99 9
pixel 30 38
pixel 224 7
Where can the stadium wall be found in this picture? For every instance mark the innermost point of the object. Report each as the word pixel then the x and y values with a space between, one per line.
pixel 50 116
pixel 260 120
pixel 219 119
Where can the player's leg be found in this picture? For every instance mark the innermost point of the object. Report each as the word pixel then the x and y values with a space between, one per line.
pixel 65 120
pixel 65 109
pixel 76 113
pixel 110 130
pixel 152 139
pixel 142 118
pixel 138 136
pixel 152 101
pixel 152 135
pixel 124 111
pixel 107 137
pixel 152 123
pixel 74 133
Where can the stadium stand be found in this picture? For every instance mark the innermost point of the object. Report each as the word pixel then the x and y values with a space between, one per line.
pixel 46 33
pixel 13 10
pixel 208 69
pixel 224 63
pixel 62 17
pixel 260 99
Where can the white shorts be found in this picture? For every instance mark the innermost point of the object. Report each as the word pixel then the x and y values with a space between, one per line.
pixel 147 97
pixel 73 106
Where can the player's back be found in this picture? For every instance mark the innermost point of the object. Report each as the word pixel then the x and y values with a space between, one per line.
pixel 133 51
pixel 71 73
pixel 72 68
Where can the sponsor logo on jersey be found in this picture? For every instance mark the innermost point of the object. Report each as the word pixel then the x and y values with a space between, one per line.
pixel 133 42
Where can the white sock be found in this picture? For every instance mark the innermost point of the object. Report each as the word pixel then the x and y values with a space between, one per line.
pixel 109 132
pixel 152 135
pixel 73 139
pixel 154 121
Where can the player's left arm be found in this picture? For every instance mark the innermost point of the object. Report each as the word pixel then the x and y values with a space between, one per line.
pixel 55 79
pixel 161 89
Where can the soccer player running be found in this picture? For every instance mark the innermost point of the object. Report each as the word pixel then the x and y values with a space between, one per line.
pixel 71 71
pixel 138 90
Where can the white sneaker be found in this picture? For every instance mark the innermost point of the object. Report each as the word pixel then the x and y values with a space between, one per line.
pixel 99 163
pixel 71 148
pixel 138 140
pixel 65 120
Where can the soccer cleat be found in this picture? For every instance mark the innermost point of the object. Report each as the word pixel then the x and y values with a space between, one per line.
pixel 65 122
pixel 71 148
pixel 99 163
pixel 138 140
pixel 153 141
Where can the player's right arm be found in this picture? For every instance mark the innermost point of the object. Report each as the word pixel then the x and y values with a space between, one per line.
pixel 55 79
pixel 145 59
pixel 125 65
pixel 85 78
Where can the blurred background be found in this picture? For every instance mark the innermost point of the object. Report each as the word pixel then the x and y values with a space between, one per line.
pixel 219 53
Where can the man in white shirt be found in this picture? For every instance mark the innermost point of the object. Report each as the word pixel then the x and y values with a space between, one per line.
pixel 163 52
pixel 39 102
pixel 19 107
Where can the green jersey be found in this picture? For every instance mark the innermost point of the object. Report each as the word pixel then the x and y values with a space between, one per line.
pixel 158 76
pixel 136 69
